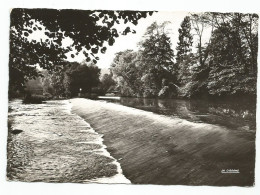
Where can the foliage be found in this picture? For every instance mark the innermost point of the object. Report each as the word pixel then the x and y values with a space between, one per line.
pixel 33 99
pixel 107 82
pixel 157 57
pixel 216 54
pixel 231 71
pixel 146 72
pixel 226 64
pixel 83 77
pixel 71 79
pixel 185 39
pixel 125 68
pixel 89 31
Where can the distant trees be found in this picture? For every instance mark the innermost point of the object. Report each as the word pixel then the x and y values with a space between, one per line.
pixel 69 79
pixel 223 64
pixel 107 83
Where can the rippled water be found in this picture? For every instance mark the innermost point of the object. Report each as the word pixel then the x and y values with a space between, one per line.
pixel 55 145
pixel 233 114
pixel 175 142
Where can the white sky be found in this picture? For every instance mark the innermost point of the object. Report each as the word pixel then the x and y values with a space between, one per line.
pixel 130 40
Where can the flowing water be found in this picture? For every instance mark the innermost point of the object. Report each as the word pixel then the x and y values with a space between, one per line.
pixel 142 141
pixel 176 141
pixel 233 114
pixel 56 146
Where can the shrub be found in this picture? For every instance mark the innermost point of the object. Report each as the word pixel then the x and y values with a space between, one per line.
pixel 33 99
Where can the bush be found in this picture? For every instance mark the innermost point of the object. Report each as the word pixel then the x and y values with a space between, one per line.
pixel 33 99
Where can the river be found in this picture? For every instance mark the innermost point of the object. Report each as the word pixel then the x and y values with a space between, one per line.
pixel 233 114
pixel 177 142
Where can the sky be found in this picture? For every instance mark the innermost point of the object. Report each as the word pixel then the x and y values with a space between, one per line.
pixel 130 40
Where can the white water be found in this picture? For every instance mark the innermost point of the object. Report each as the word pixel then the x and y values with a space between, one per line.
pixel 167 120
pixel 159 149
pixel 109 97
pixel 119 177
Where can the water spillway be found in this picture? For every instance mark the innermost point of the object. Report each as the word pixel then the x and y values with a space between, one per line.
pixel 159 149
pixel 54 145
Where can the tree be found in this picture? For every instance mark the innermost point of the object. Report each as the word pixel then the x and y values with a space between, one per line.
pixel 149 72
pixel 185 39
pixel 157 59
pixel 89 30
pixel 125 68
pixel 232 62
pixel 107 82
pixel 82 76
pixel 183 49
pixel 246 27
pixel 53 82
pixel 70 78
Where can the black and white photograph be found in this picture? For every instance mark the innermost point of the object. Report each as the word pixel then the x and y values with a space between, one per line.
pixel 131 97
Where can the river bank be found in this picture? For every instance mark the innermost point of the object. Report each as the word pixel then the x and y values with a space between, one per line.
pixel 47 143
pixel 157 149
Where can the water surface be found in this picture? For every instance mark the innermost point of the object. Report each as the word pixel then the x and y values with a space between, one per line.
pixel 176 142
pixel 233 114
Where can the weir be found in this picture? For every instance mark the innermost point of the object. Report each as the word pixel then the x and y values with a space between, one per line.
pixel 158 149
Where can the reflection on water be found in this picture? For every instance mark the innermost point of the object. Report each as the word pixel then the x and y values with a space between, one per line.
pixel 236 115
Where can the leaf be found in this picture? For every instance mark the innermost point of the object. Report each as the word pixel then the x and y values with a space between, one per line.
pixel 85 53
pixel 26 34
pixel 111 41
pixel 94 50
pixel 103 50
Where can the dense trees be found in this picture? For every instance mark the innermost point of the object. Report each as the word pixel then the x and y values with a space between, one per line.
pixel 216 56
pixel 107 83
pixel 216 53
pixel 232 58
pixel 126 69
pixel 157 58
pixel 89 31
pixel 149 71
pixel 71 79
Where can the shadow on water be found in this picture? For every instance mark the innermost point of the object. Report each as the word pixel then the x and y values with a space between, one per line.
pixel 233 114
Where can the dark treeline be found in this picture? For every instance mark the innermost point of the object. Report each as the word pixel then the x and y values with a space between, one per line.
pixel 224 64
pixel 71 79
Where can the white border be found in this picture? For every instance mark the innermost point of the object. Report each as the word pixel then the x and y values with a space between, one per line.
pixel 162 5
